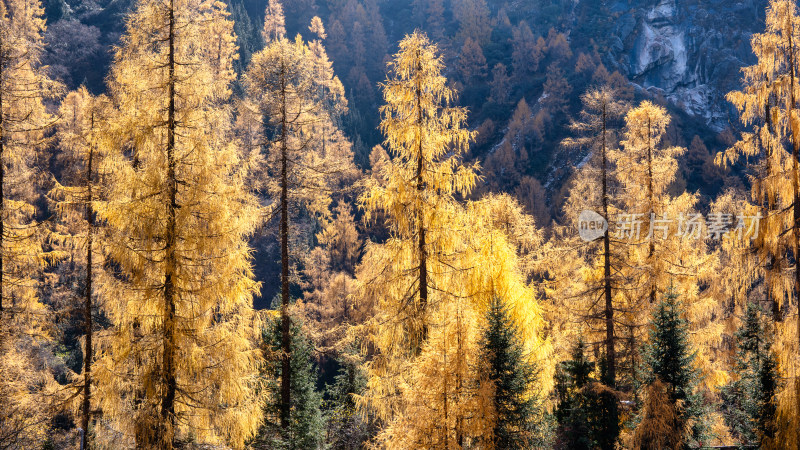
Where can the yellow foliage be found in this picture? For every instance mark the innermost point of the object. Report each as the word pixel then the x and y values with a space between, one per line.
pixel 181 359
pixel 422 338
pixel 24 321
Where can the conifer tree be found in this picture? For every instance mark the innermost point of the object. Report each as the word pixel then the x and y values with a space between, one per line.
pixel 23 319
pixel 571 378
pixel 427 138
pixel 347 428
pixel 432 280
pixel 528 51
pixel 597 129
pixel 513 377
pixel 500 85
pixel 768 104
pixel 298 100
pixel 82 118
pixel 645 169
pixel 471 62
pixel 749 401
pixel 329 271
pixel 670 359
pixel 586 409
pixel 435 397
pixel 23 122
pixel 181 362
pixel 305 428
pixel 599 268
pixel 274 22
pixel 668 246
pixel 660 427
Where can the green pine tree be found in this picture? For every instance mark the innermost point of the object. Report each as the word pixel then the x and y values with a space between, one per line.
pixel 749 401
pixel 586 409
pixel 514 378
pixel 572 376
pixel 668 357
pixel 606 408
pixel 305 430
pixel 347 427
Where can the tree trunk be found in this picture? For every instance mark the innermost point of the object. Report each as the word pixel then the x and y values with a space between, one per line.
pixel 422 248
pixel 770 259
pixel 445 429
pixel 459 380
pixel 87 307
pixel 2 185
pixel 793 126
pixel 167 427
pixel 611 358
pixel 652 205
pixel 286 376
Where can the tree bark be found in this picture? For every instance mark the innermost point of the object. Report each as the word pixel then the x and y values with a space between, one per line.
pixel 167 428
pixel 793 126
pixel 87 307
pixel 611 358
pixel 652 204
pixel 286 376
pixel 2 185
pixel 421 244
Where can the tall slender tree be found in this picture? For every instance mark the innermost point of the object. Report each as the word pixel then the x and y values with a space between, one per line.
pixel 427 138
pixel 664 237
pixel 298 101
pixel 23 125
pixel 23 121
pixel 82 117
pixel 646 167
pixel 597 127
pixel 768 103
pixel 182 360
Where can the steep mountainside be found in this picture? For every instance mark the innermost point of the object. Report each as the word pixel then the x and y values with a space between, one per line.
pixel 689 51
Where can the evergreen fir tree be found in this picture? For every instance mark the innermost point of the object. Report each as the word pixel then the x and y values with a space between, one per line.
pixel 347 427
pixel 584 405
pixel 669 358
pixel 513 377
pixel 749 401
pixel 304 429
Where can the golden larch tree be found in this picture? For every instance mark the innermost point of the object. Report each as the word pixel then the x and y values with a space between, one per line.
pixel 181 361
pixel 24 122
pixel 79 133
pixel 427 138
pixel 435 397
pixel 597 131
pixel 768 104
pixel 297 100
pixel 663 237
pixel 441 267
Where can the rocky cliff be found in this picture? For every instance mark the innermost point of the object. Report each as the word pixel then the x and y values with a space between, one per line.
pixel 689 51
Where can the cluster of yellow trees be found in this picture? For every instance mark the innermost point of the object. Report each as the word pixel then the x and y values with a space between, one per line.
pixel 158 206
pixel 160 196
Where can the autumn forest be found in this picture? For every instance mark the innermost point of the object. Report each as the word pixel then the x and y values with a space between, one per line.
pixel 376 224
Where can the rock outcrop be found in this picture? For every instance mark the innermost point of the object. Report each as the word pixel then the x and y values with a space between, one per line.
pixel 691 52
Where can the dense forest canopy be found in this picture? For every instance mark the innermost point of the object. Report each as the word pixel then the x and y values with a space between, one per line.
pixel 432 224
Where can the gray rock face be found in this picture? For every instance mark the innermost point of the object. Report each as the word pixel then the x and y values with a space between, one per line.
pixel 689 51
